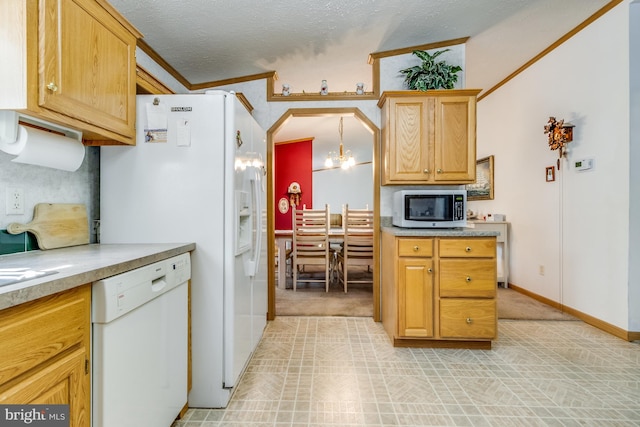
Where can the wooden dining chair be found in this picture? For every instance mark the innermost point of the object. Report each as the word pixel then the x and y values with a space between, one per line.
pixel 357 249
pixel 310 243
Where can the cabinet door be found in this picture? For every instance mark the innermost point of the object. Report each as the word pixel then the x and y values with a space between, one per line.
pixel 455 139
pixel 60 382
pixel 86 65
pixel 415 297
pixel 410 139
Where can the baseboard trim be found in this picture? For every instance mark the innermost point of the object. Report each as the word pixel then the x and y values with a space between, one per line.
pixel 427 343
pixel 586 318
pixel 537 297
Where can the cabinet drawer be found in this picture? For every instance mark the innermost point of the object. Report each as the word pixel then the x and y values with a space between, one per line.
pixel 467 318
pixel 415 247
pixel 34 332
pixel 468 278
pixel 475 247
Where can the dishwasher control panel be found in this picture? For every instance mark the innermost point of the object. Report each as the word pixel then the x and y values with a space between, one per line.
pixel 117 295
pixel 180 268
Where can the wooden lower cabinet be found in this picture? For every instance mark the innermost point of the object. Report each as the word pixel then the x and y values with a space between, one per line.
pixel 45 353
pixel 415 297
pixel 439 291
pixel 467 318
pixel 58 382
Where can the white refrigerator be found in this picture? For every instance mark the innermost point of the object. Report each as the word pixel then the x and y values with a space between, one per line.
pixel 197 174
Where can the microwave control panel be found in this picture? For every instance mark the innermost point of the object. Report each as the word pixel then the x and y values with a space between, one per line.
pixel 459 212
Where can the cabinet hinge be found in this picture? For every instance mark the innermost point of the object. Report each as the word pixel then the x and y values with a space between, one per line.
pixel 86 366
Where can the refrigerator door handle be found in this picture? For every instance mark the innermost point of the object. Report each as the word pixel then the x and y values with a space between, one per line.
pixel 252 265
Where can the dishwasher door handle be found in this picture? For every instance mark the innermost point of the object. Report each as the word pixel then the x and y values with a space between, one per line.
pixel 159 284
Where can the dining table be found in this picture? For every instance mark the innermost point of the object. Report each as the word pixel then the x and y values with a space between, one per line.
pixel 284 239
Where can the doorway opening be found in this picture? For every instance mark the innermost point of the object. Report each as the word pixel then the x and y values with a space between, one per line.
pixel 280 124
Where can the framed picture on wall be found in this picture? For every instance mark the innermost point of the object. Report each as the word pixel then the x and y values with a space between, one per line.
pixel 551 173
pixel 482 189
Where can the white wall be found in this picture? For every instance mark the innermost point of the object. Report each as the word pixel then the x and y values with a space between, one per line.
pixel 578 226
pixel 634 172
pixel 338 187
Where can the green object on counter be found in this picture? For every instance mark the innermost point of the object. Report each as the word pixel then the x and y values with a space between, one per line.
pixel 13 243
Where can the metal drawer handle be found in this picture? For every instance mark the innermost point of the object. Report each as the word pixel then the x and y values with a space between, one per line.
pixel 52 87
pixel 468 278
pixel 429 270
pixel 439 170
pixel 426 171
pixel 468 249
pixel 469 320
pixel 416 248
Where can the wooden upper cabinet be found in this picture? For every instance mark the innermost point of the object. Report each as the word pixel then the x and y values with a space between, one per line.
pixel 455 139
pixel 75 66
pixel 429 137
pixel 408 145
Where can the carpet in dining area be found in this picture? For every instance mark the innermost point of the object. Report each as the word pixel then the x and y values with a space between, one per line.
pixel 517 306
pixel 310 299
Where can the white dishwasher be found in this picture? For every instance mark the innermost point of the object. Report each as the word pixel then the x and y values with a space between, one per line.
pixel 139 335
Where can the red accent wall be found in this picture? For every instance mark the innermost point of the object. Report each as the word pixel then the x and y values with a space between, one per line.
pixel 292 163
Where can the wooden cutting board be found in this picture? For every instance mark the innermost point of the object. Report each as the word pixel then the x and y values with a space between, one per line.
pixel 56 225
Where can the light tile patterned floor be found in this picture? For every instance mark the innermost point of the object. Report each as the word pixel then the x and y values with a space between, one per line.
pixel 337 371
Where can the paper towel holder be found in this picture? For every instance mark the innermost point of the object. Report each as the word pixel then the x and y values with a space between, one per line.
pixel 9 121
pixel 33 141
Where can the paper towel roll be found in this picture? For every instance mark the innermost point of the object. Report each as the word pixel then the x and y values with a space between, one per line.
pixel 37 147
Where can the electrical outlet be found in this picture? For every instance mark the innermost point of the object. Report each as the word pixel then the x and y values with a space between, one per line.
pixel 541 270
pixel 14 201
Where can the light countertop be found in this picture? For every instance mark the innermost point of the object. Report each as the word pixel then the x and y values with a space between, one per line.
pixel 387 227
pixel 437 232
pixel 78 265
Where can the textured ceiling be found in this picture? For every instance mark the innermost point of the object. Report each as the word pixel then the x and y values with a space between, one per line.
pixel 210 40
pixel 306 41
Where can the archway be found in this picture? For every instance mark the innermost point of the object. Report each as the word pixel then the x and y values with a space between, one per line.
pixel 314 112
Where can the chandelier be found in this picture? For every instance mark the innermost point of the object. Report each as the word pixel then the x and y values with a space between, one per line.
pixel 343 158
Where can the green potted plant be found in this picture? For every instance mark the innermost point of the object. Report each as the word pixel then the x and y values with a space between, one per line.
pixel 431 74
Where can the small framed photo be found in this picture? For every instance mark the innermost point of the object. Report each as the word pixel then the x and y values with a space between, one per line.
pixel 551 173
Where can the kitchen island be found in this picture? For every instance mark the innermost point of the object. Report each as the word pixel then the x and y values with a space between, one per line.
pixel 45 322
pixel 438 287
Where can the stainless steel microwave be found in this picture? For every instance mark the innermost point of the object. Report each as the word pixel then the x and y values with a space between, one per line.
pixel 430 208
